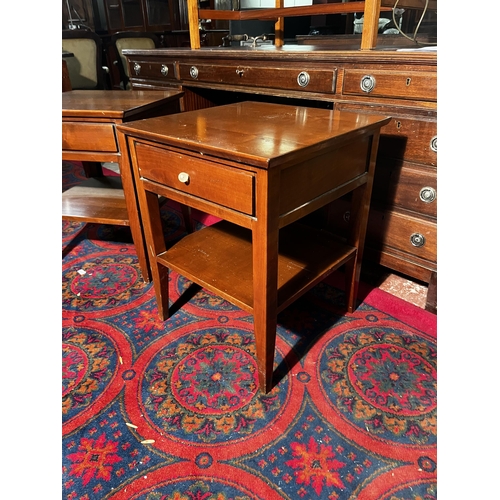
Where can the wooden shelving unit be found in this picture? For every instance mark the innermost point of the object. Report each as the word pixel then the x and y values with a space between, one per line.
pixel 370 8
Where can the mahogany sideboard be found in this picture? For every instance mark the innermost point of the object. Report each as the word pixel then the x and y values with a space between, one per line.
pixel 402 230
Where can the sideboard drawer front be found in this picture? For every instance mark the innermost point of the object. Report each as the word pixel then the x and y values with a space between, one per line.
pixel 404 233
pixel 210 181
pixel 157 70
pixel 305 80
pixel 78 136
pixel 406 185
pixel 411 139
pixel 396 84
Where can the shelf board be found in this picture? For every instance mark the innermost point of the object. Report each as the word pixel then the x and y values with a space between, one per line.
pixel 100 200
pixel 219 258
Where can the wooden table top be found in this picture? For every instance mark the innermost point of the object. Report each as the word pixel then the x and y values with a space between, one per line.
pixel 118 104
pixel 257 133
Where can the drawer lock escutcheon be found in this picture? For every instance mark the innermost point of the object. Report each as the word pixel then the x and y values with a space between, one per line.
pixel 137 68
pixel 434 144
pixel 367 83
pixel 193 71
pixel 417 240
pixel 164 70
pixel 183 177
pixel 303 79
pixel 427 194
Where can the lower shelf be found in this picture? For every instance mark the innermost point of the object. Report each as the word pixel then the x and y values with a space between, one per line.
pixel 219 258
pixel 100 200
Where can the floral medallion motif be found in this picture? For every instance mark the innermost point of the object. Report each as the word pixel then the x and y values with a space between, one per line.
pixel 385 381
pixel 204 387
pixel 101 283
pixel 88 363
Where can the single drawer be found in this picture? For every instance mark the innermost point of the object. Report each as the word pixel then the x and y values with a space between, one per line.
pixel 80 136
pixel 408 137
pixel 146 69
pixel 229 187
pixel 414 140
pixel 398 84
pixel 404 233
pixel 406 185
pixel 308 80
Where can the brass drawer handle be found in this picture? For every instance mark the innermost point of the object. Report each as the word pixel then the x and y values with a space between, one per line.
pixel 303 79
pixel 427 194
pixel 367 83
pixel 183 177
pixel 417 240
pixel 164 70
pixel 137 68
pixel 193 71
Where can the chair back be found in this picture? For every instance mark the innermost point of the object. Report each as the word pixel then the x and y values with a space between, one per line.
pixel 85 66
pixel 131 40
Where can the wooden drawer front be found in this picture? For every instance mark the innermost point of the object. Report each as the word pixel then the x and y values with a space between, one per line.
pixel 78 136
pixel 401 85
pixel 225 186
pixel 406 185
pixel 157 70
pixel 307 80
pixel 413 140
pixel 408 234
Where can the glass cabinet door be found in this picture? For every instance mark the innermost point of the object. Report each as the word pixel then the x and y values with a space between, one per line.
pixel 132 13
pixel 158 12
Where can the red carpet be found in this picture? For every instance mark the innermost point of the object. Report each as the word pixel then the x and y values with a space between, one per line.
pixel 171 410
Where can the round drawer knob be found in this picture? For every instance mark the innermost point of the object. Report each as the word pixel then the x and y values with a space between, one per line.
pixel 303 79
pixel 193 71
pixel 367 83
pixel 137 68
pixel 164 70
pixel 183 177
pixel 434 144
pixel 427 194
pixel 417 240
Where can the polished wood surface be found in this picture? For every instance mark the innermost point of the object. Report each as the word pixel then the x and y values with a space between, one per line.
pixel 262 168
pixel 89 119
pixel 404 88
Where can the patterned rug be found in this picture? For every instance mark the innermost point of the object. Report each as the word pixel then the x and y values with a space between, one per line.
pixel 171 410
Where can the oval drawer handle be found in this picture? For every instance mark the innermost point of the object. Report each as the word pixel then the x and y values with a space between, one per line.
pixel 137 68
pixel 164 70
pixel 367 83
pixel 193 71
pixel 417 240
pixel 427 194
pixel 303 79
pixel 183 177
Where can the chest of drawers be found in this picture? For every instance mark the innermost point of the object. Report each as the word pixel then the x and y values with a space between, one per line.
pixel 397 84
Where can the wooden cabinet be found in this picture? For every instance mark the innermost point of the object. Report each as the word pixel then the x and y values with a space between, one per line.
pixel 141 15
pixel 402 232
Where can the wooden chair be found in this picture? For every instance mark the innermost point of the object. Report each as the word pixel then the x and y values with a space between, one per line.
pixel 130 40
pixel 85 68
